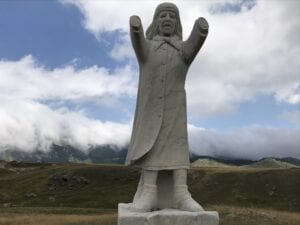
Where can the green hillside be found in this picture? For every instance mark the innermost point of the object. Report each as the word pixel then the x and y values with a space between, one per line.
pixel 99 186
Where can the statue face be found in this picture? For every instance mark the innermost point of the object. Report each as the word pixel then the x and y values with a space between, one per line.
pixel 167 23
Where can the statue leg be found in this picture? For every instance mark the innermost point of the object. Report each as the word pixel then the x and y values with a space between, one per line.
pixel 182 197
pixel 139 188
pixel 145 198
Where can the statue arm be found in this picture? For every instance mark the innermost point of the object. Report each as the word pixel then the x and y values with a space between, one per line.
pixel 196 39
pixel 138 38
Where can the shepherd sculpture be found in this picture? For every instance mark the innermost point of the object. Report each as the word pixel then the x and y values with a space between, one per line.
pixel 159 141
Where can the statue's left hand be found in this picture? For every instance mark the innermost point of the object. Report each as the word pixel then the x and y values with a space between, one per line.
pixel 203 25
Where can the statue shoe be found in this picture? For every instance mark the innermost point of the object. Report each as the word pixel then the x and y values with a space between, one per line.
pixel 147 200
pixel 184 201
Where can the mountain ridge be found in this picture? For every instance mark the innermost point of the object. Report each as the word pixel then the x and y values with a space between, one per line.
pixel 108 154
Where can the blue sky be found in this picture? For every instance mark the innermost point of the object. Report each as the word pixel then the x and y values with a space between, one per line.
pixel 58 40
pixel 51 32
pixel 264 110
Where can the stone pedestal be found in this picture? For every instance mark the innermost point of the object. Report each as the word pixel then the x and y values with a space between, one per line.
pixel 126 216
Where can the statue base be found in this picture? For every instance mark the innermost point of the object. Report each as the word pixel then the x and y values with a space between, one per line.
pixel 126 216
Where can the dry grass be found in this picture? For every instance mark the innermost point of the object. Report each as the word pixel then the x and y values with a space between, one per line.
pixel 228 216
pixel 52 219
pixel 249 216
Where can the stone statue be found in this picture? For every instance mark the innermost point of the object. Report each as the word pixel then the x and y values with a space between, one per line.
pixel 159 138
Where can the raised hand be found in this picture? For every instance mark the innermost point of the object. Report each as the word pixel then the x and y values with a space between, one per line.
pixel 203 25
pixel 135 22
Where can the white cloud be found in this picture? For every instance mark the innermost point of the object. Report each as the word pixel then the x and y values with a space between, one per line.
pixel 249 142
pixel 26 123
pixel 106 16
pixel 122 49
pixel 247 54
pixel 28 80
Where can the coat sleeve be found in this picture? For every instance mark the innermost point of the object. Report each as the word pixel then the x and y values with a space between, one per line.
pixel 138 39
pixel 196 39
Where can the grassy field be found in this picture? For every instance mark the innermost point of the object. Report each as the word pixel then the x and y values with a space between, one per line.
pixel 79 194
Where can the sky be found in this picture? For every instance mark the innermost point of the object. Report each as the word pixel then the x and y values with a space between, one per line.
pixel 68 75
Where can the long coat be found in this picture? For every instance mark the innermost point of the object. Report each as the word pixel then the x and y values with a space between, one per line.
pixel 159 135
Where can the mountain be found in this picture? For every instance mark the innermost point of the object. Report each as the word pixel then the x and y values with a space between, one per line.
pixel 222 159
pixel 67 154
pixel 271 163
pixel 112 154
pixel 208 163
pixel 245 162
pixel 291 160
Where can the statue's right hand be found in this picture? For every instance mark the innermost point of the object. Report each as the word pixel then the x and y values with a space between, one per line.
pixel 135 22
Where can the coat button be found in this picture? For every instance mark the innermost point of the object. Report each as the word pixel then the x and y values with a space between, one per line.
pixel 160 97
pixel 159 116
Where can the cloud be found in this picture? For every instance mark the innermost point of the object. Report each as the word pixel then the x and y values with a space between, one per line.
pixel 252 48
pixel 122 49
pixel 27 123
pixel 292 117
pixel 254 142
pixel 251 51
pixel 232 6
pixel 27 80
pixel 248 54
pixel 110 16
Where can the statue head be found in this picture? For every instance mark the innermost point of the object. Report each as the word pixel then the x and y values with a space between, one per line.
pixel 166 22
